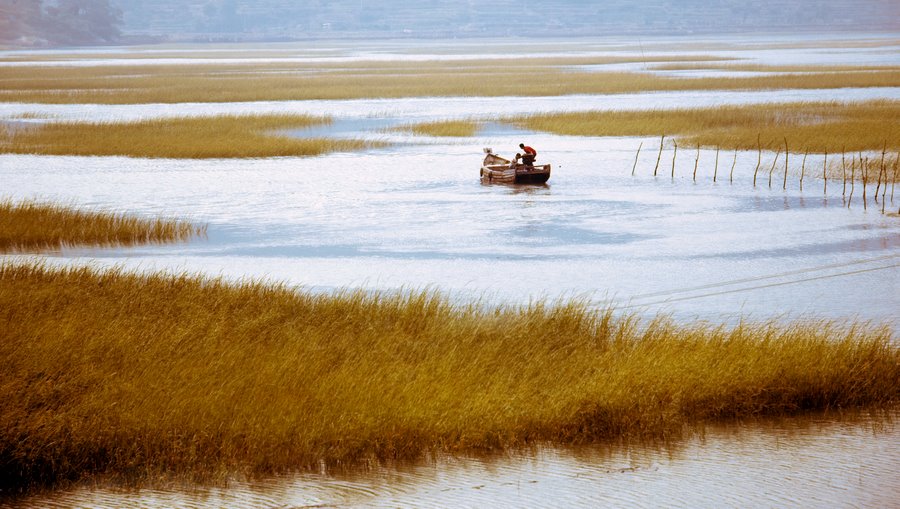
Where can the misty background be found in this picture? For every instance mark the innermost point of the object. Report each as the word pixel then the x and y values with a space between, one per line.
pixel 43 23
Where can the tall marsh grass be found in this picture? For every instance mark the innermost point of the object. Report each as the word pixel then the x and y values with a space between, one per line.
pixel 812 126
pixel 132 376
pixel 30 226
pixel 253 82
pixel 224 136
pixel 443 128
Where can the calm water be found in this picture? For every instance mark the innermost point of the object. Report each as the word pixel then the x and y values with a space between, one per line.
pixel 415 215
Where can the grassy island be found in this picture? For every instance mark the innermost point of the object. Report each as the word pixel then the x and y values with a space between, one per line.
pixel 813 126
pixel 443 128
pixel 223 136
pixel 117 375
pixel 127 84
pixel 33 226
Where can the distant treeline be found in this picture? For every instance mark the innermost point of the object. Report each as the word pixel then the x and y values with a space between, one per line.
pixel 58 22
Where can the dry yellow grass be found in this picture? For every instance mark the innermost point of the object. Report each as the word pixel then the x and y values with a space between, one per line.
pixel 31 226
pixel 227 136
pixel 252 82
pixel 134 376
pixel 816 127
pixel 446 128
pixel 730 66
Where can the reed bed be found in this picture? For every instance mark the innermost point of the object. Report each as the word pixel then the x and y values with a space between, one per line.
pixel 251 82
pixel 812 126
pixel 131 377
pixel 225 136
pixel 35 226
pixel 445 128
pixel 738 66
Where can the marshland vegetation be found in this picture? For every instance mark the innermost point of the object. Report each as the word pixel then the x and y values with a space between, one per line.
pixel 36 226
pixel 131 376
pixel 813 127
pixel 748 67
pixel 223 136
pixel 443 128
pixel 367 79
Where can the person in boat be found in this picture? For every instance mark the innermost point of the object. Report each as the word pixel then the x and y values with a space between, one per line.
pixel 528 156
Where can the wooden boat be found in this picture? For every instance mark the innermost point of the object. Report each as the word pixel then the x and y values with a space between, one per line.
pixel 499 170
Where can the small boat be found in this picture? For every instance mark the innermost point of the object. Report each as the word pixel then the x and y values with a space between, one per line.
pixel 499 170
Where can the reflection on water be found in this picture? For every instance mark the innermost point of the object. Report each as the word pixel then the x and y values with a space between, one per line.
pixel 799 462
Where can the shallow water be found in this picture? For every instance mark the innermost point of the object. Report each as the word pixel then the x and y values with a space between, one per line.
pixel 803 462
pixel 415 216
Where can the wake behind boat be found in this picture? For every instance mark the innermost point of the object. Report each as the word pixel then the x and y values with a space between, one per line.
pixel 499 170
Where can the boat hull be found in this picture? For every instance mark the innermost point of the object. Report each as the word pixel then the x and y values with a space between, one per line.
pixel 520 174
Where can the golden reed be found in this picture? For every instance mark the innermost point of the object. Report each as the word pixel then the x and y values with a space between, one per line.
pixel 126 376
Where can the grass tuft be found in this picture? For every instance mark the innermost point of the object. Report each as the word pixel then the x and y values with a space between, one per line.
pixel 446 128
pixel 134 376
pixel 30 226
pixel 225 136
pixel 813 126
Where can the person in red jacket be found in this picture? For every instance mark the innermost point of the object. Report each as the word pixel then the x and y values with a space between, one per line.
pixel 529 156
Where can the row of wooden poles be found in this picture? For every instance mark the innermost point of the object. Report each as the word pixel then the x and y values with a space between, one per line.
pixel 848 198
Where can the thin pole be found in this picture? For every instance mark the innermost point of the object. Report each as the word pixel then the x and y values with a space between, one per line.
pixel 758 158
pixel 660 154
pixel 772 169
pixel 716 169
pixel 731 174
pixel 803 169
pixel 894 176
pixel 784 186
pixel 852 180
pixel 673 158
pixel 825 172
pixel 696 162
pixel 865 176
pixel 844 171
pixel 636 158
pixel 880 171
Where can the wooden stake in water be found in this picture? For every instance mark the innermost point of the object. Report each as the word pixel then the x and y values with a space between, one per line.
pixel 660 154
pixel 844 172
pixel 772 169
pixel 884 191
pixel 803 168
pixel 865 175
pixel 673 158
pixel 786 152
pixel 716 168
pixel 852 180
pixel 758 158
pixel 731 174
pixel 696 162
pixel 825 172
pixel 636 158
pixel 894 176
pixel 880 171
